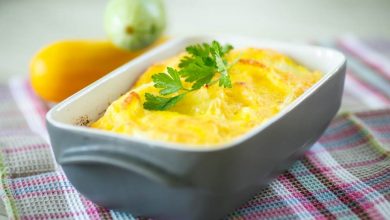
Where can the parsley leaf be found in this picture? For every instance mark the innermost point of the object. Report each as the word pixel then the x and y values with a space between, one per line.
pixel 169 83
pixel 199 53
pixel 199 68
pixel 199 50
pixel 226 48
pixel 205 61
pixel 222 67
pixel 204 73
pixel 160 103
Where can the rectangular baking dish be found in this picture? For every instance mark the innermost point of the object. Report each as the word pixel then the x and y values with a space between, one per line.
pixel 169 181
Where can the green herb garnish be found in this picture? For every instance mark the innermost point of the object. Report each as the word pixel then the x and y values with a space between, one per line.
pixel 199 68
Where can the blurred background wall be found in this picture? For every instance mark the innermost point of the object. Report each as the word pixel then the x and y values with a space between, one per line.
pixel 27 25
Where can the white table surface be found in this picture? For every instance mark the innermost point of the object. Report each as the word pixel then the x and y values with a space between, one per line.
pixel 27 25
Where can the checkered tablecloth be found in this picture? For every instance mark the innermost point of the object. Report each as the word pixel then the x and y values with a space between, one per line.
pixel 346 174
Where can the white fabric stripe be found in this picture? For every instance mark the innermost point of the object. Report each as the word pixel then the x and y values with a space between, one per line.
pixel 366 53
pixel 325 158
pixel 28 110
pixel 297 207
pixel 363 94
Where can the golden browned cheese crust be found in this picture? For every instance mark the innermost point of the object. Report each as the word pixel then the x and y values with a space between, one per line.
pixel 264 82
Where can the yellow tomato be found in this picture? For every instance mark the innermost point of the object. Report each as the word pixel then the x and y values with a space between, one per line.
pixel 63 68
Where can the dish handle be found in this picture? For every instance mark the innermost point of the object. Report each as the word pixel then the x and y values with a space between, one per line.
pixel 104 155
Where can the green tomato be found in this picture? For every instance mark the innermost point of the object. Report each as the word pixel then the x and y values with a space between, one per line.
pixel 134 24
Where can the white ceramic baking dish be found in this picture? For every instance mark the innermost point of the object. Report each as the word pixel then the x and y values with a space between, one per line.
pixel 172 181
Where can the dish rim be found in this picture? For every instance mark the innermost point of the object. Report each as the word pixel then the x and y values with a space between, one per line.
pixel 179 146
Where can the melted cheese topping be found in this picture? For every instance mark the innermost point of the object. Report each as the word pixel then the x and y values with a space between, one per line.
pixel 264 82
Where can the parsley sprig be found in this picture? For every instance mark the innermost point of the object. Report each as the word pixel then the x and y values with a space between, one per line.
pixel 198 68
